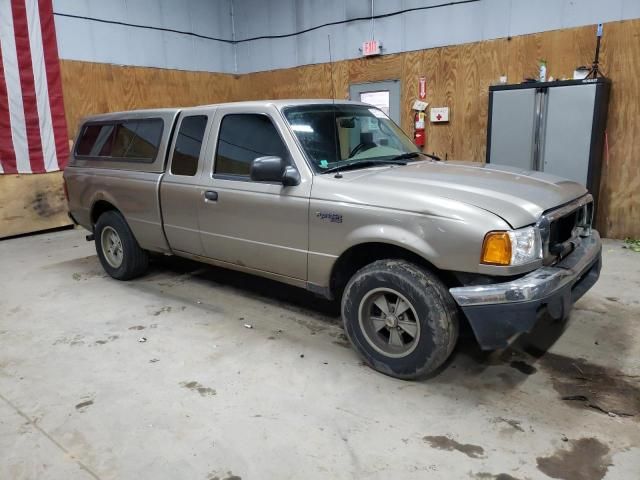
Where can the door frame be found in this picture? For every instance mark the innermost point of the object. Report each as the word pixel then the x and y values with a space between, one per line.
pixel 393 86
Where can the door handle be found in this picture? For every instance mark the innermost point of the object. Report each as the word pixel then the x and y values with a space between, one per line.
pixel 211 195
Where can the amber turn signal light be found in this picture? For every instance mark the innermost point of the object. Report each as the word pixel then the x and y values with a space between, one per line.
pixel 496 249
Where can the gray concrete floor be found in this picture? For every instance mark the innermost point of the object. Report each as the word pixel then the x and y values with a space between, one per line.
pixel 205 397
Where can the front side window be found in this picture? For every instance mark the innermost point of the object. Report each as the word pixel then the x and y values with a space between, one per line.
pixel 243 138
pixel 341 134
pixel 188 145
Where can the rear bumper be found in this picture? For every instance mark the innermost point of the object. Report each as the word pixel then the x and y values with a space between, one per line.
pixel 498 312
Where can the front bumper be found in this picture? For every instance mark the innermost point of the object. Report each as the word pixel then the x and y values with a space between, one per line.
pixel 500 311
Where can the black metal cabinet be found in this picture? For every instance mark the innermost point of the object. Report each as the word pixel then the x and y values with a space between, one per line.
pixel 554 127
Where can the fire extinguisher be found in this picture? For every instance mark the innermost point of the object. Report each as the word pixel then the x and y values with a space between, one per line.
pixel 419 136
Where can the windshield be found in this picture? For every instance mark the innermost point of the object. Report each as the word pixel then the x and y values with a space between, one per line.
pixel 335 135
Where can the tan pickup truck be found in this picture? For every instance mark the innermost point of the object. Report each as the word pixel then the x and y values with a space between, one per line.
pixel 334 198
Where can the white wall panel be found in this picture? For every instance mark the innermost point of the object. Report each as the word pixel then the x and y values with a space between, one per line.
pixel 538 16
pixel 496 18
pixel 80 39
pixel 630 8
pixel 447 25
pixel 576 13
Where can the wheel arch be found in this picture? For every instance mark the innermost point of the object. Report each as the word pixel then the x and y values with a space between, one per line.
pixel 99 207
pixel 362 254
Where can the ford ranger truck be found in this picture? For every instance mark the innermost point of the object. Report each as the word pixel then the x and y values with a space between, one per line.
pixel 336 199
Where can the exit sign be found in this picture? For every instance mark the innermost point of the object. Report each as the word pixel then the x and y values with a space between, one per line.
pixel 371 47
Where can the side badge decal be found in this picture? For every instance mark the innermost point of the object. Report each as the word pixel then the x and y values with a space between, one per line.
pixel 332 217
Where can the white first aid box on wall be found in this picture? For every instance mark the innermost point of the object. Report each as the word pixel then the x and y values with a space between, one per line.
pixel 439 114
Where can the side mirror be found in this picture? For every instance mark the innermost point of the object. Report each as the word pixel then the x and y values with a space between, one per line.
pixel 290 177
pixel 275 170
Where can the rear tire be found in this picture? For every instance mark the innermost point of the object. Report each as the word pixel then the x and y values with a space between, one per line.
pixel 118 250
pixel 401 318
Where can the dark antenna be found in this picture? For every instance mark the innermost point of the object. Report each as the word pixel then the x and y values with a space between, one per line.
pixel 333 108
pixel 595 66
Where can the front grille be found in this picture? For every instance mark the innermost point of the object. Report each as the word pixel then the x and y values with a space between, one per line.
pixel 560 227
pixel 563 228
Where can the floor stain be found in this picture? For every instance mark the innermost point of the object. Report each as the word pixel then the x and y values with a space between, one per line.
pixel 229 476
pixel 74 341
pixel 76 276
pixel 111 338
pixel 585 385
pixel 587 459
pixel 523 367
pixel 82 406
pixel 513 423
pixel 342 340
pixel 201 389
pixel 445 443
pixel 137 327
pixel 164 309
pixel 312 325
pixel 491 476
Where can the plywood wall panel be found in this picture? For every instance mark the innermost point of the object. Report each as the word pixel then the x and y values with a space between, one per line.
pixel 620 185
pixel 91 88
pixel 375 69
pixel 30 203
pixel 411 73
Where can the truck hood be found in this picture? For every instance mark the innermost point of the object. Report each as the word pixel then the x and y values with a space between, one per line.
pixel 517 196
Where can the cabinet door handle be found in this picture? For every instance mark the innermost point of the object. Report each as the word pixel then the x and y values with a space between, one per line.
pixel 211 195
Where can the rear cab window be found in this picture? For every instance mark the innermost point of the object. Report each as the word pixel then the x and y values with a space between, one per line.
pixel 127 140
pixel 186 152
pixel 242 138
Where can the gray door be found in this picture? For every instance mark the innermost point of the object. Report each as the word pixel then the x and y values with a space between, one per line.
pixel 257 225
pixel 384 95
pixel 567 136
pixel 181 185
pixel 513 125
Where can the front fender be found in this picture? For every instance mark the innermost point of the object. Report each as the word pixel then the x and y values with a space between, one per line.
pixel 452 243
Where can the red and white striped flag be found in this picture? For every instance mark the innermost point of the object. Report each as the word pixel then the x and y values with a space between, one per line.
pixel 33 130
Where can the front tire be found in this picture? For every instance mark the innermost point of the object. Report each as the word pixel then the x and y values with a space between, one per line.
pixel 118 250
pixel 400 318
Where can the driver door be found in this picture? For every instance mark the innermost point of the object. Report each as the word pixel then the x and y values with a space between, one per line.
pixel 255 225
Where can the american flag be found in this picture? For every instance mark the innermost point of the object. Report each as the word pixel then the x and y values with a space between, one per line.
pixel 33 130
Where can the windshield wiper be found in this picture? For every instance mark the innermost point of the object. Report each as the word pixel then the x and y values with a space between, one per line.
pixel 357 163
pixel 414 155
pixel 407 155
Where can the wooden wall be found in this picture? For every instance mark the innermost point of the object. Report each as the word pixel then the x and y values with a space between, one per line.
pixel 459 77
pixel 31 203
pixel 92 88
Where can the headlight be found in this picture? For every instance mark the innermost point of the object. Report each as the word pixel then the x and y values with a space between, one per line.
pixel 514 247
